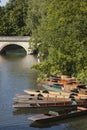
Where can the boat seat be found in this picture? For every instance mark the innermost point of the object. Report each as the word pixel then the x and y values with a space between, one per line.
pixel 53 113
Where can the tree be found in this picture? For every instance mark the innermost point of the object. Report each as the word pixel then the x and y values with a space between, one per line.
pixel 1 19
pixel 63 32
pixel 14 18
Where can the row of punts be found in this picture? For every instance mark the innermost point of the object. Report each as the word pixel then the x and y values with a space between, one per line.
pixel 39 99
pixel 58 92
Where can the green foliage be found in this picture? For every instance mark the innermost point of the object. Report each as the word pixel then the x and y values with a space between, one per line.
pixel 82 76
pixel 63 31
pixel 14 18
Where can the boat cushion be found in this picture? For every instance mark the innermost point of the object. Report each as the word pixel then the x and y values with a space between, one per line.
pixel 53 113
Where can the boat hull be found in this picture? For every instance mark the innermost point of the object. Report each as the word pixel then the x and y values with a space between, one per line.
pixel 58 118
pixel 48 105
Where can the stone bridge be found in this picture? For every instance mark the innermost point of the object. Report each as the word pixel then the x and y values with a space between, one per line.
pixel 22 41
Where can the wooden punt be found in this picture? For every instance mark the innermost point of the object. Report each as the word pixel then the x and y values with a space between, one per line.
pixel 55 116
pixel 44 105
pixel 45 93
pixel 35 104
pixel 31 91
pixel 43 101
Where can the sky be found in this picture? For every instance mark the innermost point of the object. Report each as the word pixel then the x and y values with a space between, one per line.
pixel 3 2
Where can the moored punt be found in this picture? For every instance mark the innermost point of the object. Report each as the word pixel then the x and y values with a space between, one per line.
pixel 31 91
pixel 33 101
pixel 42 99
pixel 55 116
pixel 44 104
pixel 46 93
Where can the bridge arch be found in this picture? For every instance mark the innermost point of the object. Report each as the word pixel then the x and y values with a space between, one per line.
pixel 21 41
pixel 11 46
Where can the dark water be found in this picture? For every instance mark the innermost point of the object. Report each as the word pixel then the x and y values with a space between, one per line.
pixel 15 76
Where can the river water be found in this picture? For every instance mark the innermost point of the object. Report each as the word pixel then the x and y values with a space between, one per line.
pixel 15 76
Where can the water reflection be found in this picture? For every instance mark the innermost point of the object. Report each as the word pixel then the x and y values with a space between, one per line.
pixel 15 76
pixel 34 110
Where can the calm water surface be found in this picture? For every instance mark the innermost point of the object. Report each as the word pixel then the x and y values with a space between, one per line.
pixel 15 76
